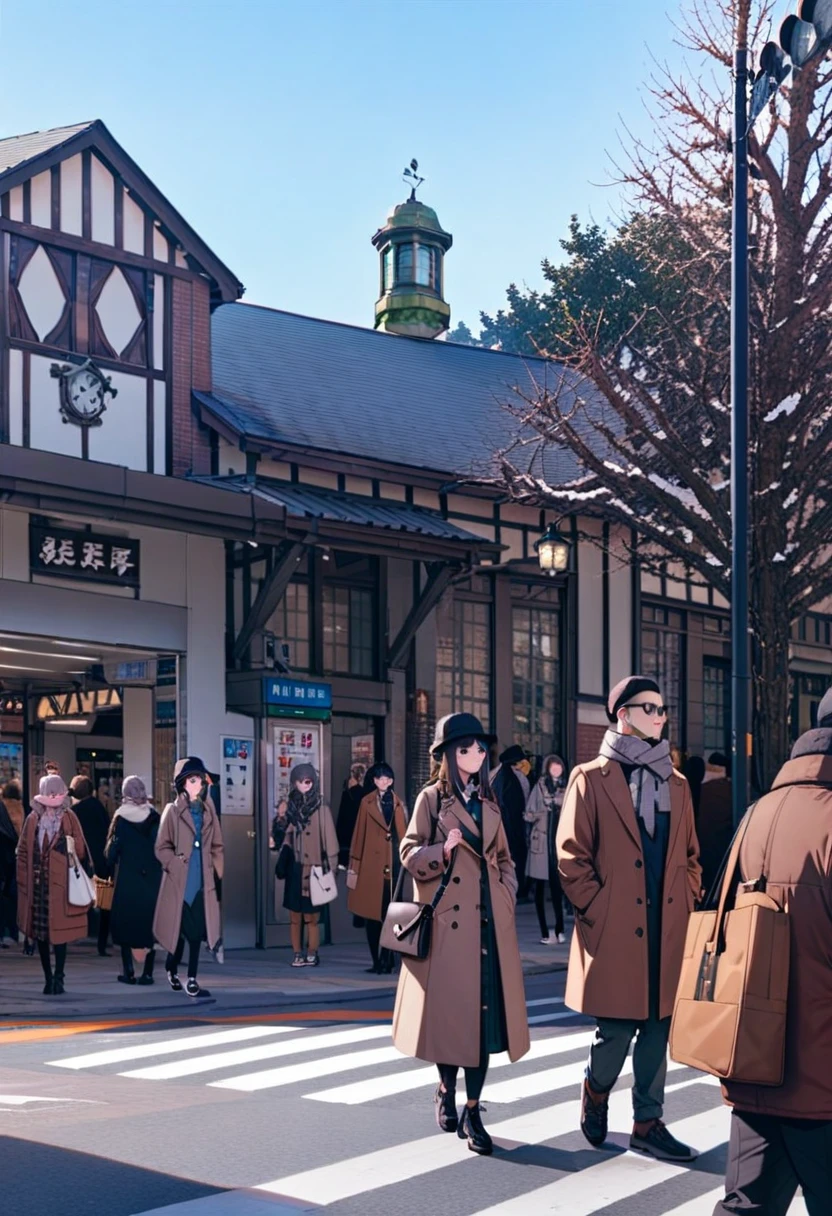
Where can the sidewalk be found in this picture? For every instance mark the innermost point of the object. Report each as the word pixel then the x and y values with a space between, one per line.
pixel 247 979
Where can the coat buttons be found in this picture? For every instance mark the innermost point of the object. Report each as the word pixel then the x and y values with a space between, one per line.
pixel 483 951
pixel 386 869
pixel 456 907
pixel 670 899
pixel 639 901
pixel 388 837
pixel 456 878
pixel 638 863
pixel 422 873
pixel 434 865
pixel 454 924
pixel 639 933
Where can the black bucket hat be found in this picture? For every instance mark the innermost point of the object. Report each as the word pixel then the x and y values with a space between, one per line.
pixel 454 727
pixel 191 766
pixel 513 755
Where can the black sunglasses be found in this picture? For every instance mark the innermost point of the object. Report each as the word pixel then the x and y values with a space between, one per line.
pixel 649 707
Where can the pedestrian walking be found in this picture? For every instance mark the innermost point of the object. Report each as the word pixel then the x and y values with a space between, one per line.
pixel 51 837
pixel 781 1136
pixel 374 862
pixel 95 822
pixel 130 854
pixel 466 999
pixel 351 796
pixel 628 860
pixel 189 847
pixel 303 824
pixel 715 825
pixel 542 812
pixel 511 789
pixel 9 836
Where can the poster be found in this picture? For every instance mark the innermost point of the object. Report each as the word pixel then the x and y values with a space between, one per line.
pixel 11 762
pixel 237 776
pixel 362 749
pixel 294 743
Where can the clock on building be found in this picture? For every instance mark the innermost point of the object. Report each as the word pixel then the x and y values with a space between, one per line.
pixel 83 392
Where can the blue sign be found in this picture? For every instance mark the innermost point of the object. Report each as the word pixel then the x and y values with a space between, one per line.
pixel 299 694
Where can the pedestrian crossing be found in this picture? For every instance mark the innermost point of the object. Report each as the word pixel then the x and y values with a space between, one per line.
pixel 305 1062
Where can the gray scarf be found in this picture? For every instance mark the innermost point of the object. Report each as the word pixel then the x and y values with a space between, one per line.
pixel 651 761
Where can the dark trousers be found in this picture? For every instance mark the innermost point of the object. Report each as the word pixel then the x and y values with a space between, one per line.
pixel 127 961
pixel 557 902
pixel 769 1157
pixel 608 1053
pixel 173 960
pixel 103 929
pixel 46 961
pixel 474 1077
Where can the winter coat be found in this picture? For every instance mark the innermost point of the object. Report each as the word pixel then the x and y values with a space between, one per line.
pixel 310 845
pixel 16 813
pixel 511 799
pixel 347 819
pixel 714 827
pixel 174 845
pixel 438 1011
pixel 795 853
pixel 602 871
pixel 130 855
pixel 541 811
pixel 93 818
pixel 371 856
pixel 67 923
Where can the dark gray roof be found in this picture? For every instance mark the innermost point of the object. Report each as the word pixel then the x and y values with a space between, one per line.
pixel 17 149
pixel 424 404
pixel 314 502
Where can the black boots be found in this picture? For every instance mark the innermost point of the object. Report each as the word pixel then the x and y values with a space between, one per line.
pixel 445 1103
pixel 470 1125
pixel 58 984
pixel 594 1110
pixel 146 976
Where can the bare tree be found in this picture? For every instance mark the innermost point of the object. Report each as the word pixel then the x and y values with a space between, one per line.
pixel 655 454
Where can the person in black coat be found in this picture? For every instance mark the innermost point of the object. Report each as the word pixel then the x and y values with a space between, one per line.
pixel 130 856
pixel 351 797
pixel 8 885
pixel 93 817
pixel 511 798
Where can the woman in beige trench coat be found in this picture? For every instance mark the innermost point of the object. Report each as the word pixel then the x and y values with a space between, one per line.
pixel 374 858
pixel 466 999
pixel 190 848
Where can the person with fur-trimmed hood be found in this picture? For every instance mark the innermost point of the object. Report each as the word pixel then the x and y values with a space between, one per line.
pixel 374 858
pixel 189 846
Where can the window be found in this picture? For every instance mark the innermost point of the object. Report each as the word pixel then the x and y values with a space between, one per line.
pixel 424 274
pixel 716 706
pixel 387 282
pixel 404 264
pixel 290 623
pixel 348 631
pixel 463 659
pixel 536 684
pixel 661 658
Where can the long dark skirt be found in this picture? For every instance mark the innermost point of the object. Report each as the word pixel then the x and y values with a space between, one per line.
pixel 293 898
pixel 193 927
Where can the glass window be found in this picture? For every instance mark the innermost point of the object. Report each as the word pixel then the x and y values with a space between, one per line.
pixel 436 257
pixel 463 660
pixel 348 631
pixel 404 264
pixel 536 683
pixel 661 658
pixel 423 266
pixel 388 268
pixel 716 707
pixel 290 623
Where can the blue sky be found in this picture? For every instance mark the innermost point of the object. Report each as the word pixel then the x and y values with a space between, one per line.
pixel 280 129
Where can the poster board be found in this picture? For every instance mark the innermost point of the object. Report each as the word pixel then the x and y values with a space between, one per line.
pixel 295 742
pixel 237 775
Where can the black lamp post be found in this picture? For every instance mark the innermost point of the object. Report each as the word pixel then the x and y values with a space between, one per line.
pixel 552 551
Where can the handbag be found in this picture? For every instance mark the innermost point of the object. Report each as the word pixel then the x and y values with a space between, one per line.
pixel 729 1017
pixel 79 889
pixel 104 890
pixel 322 885
pixel 408 925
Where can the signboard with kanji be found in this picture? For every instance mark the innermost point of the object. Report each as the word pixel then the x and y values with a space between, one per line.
pixel 296 694
pixel 86 556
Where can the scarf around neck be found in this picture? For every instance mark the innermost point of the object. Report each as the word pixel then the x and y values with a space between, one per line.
pixel 301 807
pixel 651 766
pixel 133 812
pixel 49 818
pixel 386 803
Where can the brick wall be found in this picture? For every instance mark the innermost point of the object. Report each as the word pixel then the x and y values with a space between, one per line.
pixel 191 368
pixel 588 741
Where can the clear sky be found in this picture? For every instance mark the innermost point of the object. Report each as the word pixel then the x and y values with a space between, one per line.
pixel 279 128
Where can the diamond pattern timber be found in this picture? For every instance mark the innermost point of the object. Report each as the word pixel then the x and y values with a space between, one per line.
pixel 41 293
pixel 117 311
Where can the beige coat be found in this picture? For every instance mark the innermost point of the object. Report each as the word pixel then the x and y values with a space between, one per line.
pixel 798 853
pixel 437 1013
pixel 601 867
pixel 538 811
pixel 67 922
pixel 174 845
pixel 309 846
pixel 371 856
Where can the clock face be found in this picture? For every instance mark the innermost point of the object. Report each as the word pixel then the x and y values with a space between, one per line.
pixel 84 390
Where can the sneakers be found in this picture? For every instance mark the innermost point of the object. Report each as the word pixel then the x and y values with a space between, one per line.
pixel 470 1126
pixel 445 1103
pixel 658 1143
pixel 193 989
pixel 174 981
pixel 312 960
pixel 594 1117
pixel 298 960
pixel 561 939
pixel 551 940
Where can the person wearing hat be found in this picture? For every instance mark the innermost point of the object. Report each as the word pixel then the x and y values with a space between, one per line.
pixel 466 999
pixel 190 848
pixel 629 864
pixel 511 789
pixel 374 858
pixel 51 833
pixel 304 822
pixel 130 855
pixel 781 1135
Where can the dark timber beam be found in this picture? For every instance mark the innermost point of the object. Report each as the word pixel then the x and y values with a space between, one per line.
pixel 269 595
pixel 440 575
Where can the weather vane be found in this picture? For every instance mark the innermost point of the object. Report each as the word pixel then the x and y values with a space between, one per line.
pixel 412 175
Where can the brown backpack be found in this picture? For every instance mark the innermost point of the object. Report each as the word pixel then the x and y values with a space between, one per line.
pixel 730 1013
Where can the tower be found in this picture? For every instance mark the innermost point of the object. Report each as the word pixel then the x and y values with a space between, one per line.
pixel 411 247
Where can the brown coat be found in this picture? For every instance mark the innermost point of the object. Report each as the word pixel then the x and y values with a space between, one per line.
pixel 799 872
pixel 318 837
pixel 437 1013
pixel 15 808
pixel 174 845
pixel 67 923
pixel 601 866
pixel 371 856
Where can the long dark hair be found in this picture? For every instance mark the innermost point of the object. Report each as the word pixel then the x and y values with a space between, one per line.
pixel 447 776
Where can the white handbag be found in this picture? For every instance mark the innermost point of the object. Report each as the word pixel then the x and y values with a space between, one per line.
pixel 322 886
pixel 80 891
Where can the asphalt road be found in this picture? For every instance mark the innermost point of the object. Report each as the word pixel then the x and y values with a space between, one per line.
pixel 260 1115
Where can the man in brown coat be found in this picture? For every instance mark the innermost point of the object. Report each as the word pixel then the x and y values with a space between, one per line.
pixel 628 862
pixel 781 1138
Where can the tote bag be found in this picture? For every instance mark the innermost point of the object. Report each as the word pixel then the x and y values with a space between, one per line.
pixel 79 889
pixel 322 885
